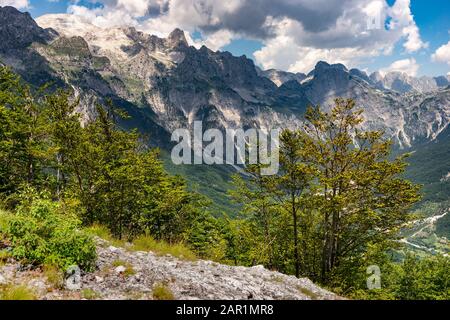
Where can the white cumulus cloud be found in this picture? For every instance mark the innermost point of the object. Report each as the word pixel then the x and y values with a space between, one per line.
pixel 352 39
pixel 408 66
pixel 442 54
pixel 19 4
pixel 295 33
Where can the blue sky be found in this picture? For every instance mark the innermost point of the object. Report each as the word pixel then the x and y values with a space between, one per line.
pixel 433 19
pixel 288 34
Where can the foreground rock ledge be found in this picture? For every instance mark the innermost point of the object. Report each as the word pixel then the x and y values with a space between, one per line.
pixel 184 279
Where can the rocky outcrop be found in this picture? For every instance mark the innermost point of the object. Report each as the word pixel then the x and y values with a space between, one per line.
pixel 280 77
pixel 125 274
pixel 403 83
pixel 18 30
pixel 408 118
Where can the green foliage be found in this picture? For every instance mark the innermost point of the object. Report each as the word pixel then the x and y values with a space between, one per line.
pixel 107 175
pixel 147 243
pixel 336 195
pixel 23 131
pixel 118 181
pixel 425 279
pixel 415 278
pixel 259 221
pixel 428 165
pixel 335 207
pixel 205 236
pixel 41 233
pixel 443 224
pixel 213 181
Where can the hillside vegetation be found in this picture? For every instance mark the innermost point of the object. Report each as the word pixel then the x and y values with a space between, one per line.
pixel 332 210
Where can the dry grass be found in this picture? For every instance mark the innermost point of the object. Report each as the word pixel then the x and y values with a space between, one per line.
pixel 4 256
pixel 89 294
pixel 129 271
pixel 103 233
pixel 162 292
pixel 54 276
pixel 308 293
pixel 144 243
pixel 17 293
pixel 147 243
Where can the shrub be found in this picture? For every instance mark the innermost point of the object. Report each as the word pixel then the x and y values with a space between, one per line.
pixel 3 222
pixel 41 234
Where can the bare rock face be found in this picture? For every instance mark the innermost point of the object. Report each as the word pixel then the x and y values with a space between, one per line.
pixel 141 271
pixel 281 77
pixel 177 38
pixel 408 118
pixel 403 83
pixel 19 30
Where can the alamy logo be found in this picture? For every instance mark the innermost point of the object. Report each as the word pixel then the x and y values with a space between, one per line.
pixel 73 278
pixel 374 12
pixel 238 147
pixel 374 280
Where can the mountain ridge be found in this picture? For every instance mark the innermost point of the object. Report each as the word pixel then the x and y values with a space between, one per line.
pixel 165 84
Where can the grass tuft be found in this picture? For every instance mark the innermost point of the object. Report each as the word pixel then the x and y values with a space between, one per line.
pixel 17 293
pixel 129 271
pixel 103 233
pixel 162 292
pixel 89 294
pixel 308 293
pixel 144 243
pixel 147 243
pixel 54 276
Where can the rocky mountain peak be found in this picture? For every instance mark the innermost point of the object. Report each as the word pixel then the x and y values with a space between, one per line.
pixel 360 74
pixel 376 76
pixel 324 66
pixel 19 30
pixel 176 81
pixel 442 81
pixel 281 77
pixel 177 38
pixel 404 83
pixel 327 79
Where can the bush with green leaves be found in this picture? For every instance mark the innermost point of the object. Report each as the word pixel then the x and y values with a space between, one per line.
pixel 414 278
pixel 42 233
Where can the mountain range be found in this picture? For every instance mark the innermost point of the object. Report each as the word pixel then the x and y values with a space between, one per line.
pixel 165 83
